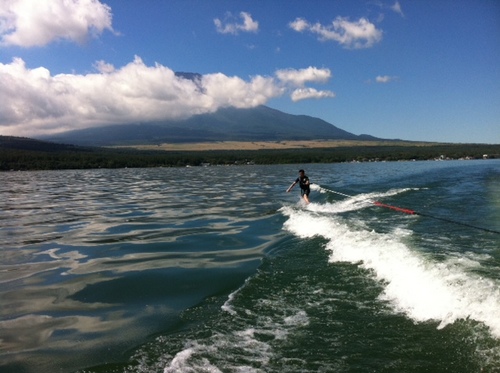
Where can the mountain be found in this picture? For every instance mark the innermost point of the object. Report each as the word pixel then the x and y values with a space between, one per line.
pixel 229 124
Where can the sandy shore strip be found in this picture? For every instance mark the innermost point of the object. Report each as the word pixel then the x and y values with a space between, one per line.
pixel 257 145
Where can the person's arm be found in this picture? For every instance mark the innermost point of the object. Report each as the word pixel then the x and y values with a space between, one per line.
pixel 291 186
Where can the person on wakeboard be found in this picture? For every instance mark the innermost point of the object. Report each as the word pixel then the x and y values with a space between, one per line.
pixel 304 183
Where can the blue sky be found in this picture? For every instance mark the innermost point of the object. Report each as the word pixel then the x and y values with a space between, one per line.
pixel 415 70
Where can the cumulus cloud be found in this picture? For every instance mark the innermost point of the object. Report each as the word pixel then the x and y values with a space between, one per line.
pixel 302 76
pixel 309 93
pixel 33 101
pixel 298 78
pixel 299 25
pixel 228 27
pixel 355 35
pixel 29 23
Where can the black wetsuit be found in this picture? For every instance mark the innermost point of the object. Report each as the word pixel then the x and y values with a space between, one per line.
pixel 304 185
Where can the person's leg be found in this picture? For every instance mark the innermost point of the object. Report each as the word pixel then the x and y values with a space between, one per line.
pixel 305 195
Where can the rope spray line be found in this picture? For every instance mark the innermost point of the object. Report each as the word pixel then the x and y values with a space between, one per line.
pixel 412 212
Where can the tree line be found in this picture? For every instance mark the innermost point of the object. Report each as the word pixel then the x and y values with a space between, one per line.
pixel 70 157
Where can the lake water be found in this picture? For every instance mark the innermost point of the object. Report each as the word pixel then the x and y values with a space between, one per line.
pixel 217 269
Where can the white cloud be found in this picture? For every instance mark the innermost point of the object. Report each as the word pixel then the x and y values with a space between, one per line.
pixel 222 91
pixel 104 67
pixel 302 76
pixel 356 35
pixel 34 102
pixel 247 25
pixel 298 78
pixel 29 23
pixel 309 93
pixel 299 25
pixel 385 79
pixel 397 8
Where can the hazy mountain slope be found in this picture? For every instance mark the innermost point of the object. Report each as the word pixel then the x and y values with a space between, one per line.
pixel 258 124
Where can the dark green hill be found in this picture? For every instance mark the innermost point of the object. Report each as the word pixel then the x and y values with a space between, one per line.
pixel 27 144
pixel 229 124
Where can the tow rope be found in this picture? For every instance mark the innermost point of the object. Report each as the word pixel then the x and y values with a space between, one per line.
pixel 412 212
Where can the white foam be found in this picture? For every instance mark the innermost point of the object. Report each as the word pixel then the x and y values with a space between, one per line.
pixel 251 345
pixel 299 319
pixel 181 363
pixel 415 284
pixel 228 304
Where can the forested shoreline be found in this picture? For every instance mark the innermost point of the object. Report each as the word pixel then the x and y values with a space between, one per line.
pixel 58 157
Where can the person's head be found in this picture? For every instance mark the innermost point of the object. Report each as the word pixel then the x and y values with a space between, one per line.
pixel 301 172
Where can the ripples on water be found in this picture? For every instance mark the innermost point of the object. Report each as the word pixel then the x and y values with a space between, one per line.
pixel 217 269
pixel 79 245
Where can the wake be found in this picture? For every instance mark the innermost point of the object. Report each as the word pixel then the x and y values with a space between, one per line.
pixel 414 282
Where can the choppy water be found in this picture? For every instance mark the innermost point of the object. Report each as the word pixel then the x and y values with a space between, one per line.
pixel 218 270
